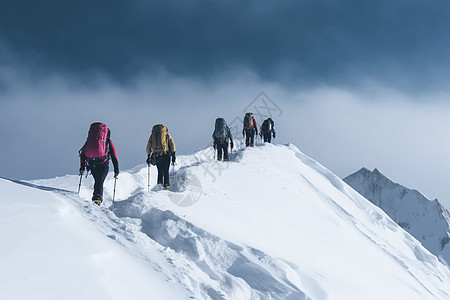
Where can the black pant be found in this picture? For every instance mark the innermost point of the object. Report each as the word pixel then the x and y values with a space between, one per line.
pixel 250 137
pixel 222 147
pixel 267 137
pixel 99 172
pixel 163 165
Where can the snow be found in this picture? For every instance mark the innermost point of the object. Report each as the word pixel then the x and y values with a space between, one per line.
pixel 51 250
pixel 428 221
pixel 271 224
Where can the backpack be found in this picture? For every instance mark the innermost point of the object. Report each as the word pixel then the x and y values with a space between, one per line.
pixel 248 121
pixel 159 140
pixel 267 125
pixel 97 144
pixel 220 130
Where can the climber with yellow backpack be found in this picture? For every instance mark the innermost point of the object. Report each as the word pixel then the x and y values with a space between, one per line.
pixel 160 148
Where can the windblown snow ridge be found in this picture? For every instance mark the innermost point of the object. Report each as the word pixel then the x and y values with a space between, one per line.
pixel 228 270
pixel 270 224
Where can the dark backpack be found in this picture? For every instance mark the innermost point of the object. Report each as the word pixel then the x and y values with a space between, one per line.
pixel 97 144
pixel 267 125
pixel 220 130
pixel 248 121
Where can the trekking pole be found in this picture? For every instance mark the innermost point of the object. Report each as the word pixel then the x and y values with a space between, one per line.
pixel 114 192
pixel 79 184
pixel 174 175
pixel 231 153
pixel 148 186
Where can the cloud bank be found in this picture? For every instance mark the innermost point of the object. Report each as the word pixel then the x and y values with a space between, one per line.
pixel 296 43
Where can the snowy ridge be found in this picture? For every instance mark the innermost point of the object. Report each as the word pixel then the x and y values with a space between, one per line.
pixel 223 269
pixel 428 221
pixel 271 224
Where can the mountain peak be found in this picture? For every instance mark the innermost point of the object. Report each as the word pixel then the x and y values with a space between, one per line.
pixel 366 172
pixel 377 172
pixel 375 177
pixel 428 221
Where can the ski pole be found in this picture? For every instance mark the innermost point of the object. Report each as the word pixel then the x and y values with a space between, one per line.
pixel 148 186
pixel 79 185
pixel 114 192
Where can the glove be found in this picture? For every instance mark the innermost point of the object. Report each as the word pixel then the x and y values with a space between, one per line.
pixel 231 145
pixel 214 146
pixel 148 160
pixel 173 158
pixel 256 131
pixel 81 171
pixel 274 134
pixel 116 173
pixel 260 134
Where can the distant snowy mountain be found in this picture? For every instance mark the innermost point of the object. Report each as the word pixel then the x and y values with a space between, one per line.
pixel 271 224
pixel 428 221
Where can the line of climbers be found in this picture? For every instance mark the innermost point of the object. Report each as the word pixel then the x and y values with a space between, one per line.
pixel 250 129
pixel 99 149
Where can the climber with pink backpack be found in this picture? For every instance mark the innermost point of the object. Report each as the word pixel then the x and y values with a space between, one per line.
pixel 95 155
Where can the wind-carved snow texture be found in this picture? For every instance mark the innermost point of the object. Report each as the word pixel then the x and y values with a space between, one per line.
pixel 231 268
pixel 428 221
pixel 270 224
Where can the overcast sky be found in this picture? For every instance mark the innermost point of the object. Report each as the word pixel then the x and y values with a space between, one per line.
pixel 351 83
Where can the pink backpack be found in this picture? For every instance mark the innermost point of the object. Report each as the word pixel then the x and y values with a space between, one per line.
pixel 97 142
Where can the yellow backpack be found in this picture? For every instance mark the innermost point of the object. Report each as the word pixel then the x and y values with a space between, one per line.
pixel 159 139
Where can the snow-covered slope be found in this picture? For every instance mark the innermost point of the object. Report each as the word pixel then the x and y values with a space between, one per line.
pixel 55 248
pixel 428 221
pixel 271 224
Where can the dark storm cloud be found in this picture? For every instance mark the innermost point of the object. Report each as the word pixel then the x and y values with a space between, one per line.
pixel 311 41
